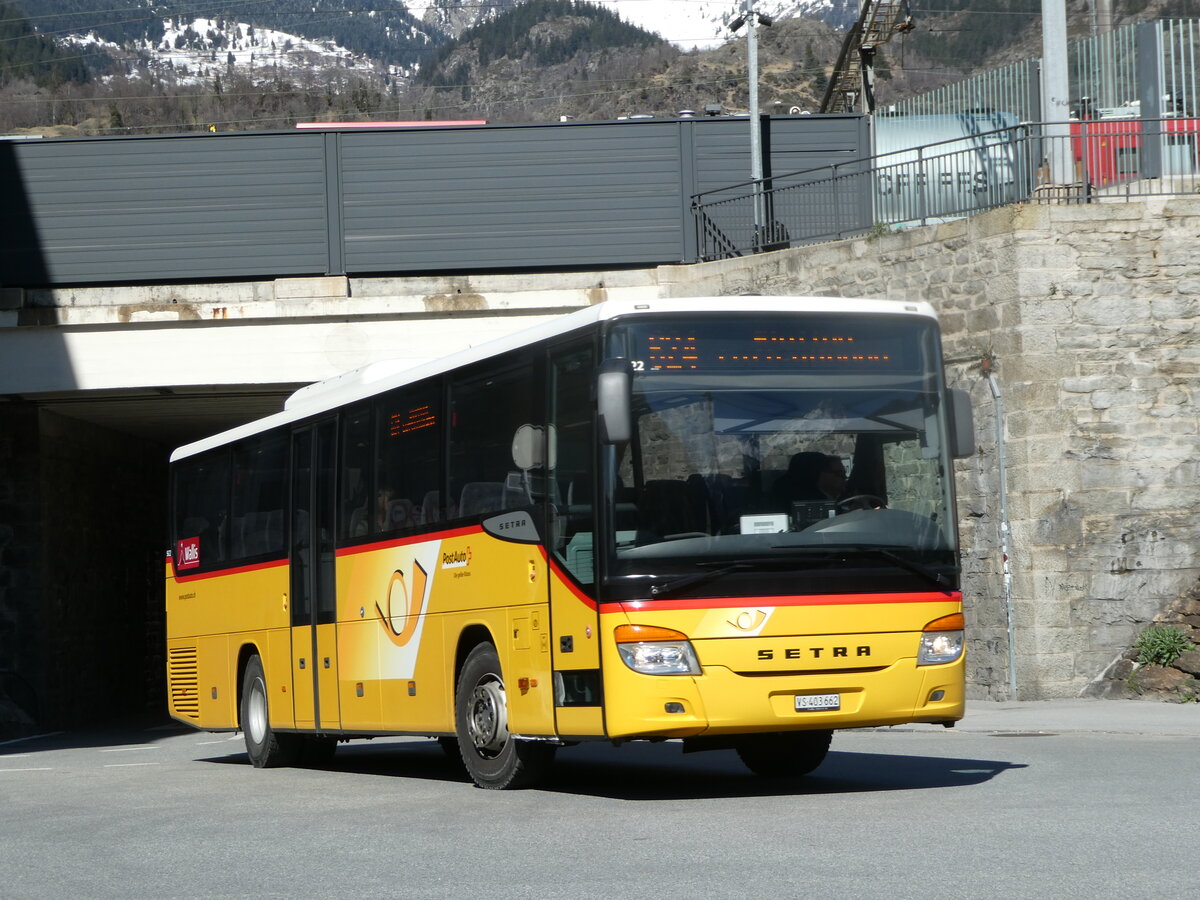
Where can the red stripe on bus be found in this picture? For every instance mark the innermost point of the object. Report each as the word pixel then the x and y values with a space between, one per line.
pixel 566 581
pixel 237 570
pixel 813 600
pixel 411 539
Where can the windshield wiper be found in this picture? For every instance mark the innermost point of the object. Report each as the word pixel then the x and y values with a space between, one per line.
pixel 916 568
pixel 826 553
pixel 669 587
pixel 719 569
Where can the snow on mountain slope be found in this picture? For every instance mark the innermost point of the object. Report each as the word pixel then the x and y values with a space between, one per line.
pixel 192 52
pixel 702 23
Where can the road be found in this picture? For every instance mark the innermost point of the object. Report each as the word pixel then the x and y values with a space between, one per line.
pixel 918 812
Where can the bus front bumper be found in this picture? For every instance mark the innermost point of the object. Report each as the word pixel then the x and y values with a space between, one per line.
pixel 722 702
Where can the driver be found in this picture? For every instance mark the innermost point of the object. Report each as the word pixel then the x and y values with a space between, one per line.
pixel 811 476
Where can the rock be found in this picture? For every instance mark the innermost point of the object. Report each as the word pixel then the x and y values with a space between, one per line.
pixel 1160 679
pixel 1189 662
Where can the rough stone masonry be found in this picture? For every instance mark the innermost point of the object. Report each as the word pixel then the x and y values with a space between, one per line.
pixel 1087 317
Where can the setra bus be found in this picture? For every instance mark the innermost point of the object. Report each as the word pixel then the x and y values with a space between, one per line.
pixel 596 529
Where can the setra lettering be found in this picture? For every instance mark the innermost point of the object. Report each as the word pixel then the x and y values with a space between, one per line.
pixel 767 655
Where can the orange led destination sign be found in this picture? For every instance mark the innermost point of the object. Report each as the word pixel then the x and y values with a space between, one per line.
pixel 686 353
pixel 416 419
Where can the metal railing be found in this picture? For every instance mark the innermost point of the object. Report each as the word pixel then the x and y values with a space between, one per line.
pixel 1113 160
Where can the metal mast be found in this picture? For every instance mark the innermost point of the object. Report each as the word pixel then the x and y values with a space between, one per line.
pixel 854 75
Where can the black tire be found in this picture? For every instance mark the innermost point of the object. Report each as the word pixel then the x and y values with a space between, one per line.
pixel 494 759
pixel 265 747
pixel 786 755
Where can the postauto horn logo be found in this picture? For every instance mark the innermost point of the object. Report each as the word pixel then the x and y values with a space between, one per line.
pixel 456 559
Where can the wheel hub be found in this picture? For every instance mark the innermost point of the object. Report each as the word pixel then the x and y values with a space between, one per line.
pixel 488 721
pixel 256 724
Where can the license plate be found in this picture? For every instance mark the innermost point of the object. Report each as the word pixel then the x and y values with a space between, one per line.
pixel 818 702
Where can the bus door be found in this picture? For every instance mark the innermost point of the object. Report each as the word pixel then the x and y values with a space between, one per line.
pixel 313 595
pixel 575 632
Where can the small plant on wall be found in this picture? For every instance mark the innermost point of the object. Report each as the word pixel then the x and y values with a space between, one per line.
pixel 1161 645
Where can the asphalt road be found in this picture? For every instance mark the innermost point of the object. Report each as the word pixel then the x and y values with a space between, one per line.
pixel 921 813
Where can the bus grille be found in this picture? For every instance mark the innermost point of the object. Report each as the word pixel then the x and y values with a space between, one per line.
pixel 183 677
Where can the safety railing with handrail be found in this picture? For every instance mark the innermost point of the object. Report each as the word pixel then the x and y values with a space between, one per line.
pixel 1109 160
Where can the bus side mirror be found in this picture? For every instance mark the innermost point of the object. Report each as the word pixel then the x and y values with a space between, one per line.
pixel 614 387
pixel 962 424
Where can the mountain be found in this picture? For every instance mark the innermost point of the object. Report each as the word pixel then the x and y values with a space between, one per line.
pixel 384 31
pixel 552 59
pixel 26 54
pixel 171 65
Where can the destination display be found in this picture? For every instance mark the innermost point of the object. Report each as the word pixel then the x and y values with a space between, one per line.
pixel 710 348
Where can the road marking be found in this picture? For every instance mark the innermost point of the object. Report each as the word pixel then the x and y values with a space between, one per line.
pixel 126 765
pixel 222 741
pixel 124 749
pixel 30 769
pixel 32 737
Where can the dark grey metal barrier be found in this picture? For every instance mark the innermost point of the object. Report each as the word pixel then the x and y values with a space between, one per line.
pixel 484 198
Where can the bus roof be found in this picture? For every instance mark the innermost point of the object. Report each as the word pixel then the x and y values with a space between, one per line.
pixel 382 376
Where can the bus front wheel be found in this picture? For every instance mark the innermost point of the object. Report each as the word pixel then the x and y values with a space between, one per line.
pixel 786 755
pixel 493 757
pixel 265 747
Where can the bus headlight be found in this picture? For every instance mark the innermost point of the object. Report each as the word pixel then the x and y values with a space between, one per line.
pixel 656 651
pixel 941 641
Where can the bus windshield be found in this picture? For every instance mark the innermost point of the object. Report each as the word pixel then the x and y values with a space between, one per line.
pixel 807 454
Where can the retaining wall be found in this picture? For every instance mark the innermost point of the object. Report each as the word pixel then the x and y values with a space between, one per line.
pixel 1088 316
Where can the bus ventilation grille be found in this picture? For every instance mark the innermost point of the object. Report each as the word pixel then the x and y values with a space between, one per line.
pixel 183 674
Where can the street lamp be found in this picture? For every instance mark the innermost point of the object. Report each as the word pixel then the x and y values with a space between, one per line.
pixel 750 18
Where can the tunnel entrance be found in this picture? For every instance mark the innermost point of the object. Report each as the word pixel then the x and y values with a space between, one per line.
pixel 83 480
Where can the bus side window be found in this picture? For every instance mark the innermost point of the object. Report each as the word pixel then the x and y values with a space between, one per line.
pixel 354 491
pixel 486 413
pixel 408 437
pixel 573 433
pixel 201 505
pixel 259 489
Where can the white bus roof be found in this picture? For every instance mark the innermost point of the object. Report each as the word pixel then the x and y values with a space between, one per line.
pixel 384 375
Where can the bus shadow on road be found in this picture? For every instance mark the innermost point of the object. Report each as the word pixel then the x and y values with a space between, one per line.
pixel 657 772
pixel 644 771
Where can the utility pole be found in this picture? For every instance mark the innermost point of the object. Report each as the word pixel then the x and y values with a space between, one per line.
pixel 750 19
pixel 1056 91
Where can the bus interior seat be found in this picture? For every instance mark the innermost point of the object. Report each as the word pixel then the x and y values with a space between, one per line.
pixel 253 539
pixel 666 508
pixel 481 497
pixel 517 491
pixel 401 513
pixel 625 509
pixel 431 507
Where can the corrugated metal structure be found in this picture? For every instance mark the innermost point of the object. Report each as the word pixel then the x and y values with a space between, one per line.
pixel 1109 73
pixel 497 197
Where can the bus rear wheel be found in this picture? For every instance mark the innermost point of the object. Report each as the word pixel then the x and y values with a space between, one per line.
pixel 493 757
pixel 265 747
pixel 788 754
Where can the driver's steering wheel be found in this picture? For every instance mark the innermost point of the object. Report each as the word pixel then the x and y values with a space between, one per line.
pixel 862 501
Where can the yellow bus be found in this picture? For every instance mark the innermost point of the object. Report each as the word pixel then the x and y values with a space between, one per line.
pixel 726 521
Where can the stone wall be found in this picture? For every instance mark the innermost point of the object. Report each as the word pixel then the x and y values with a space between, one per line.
pixel 1087 317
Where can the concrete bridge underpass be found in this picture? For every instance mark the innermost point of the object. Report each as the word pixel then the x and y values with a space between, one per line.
pixel 98 384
